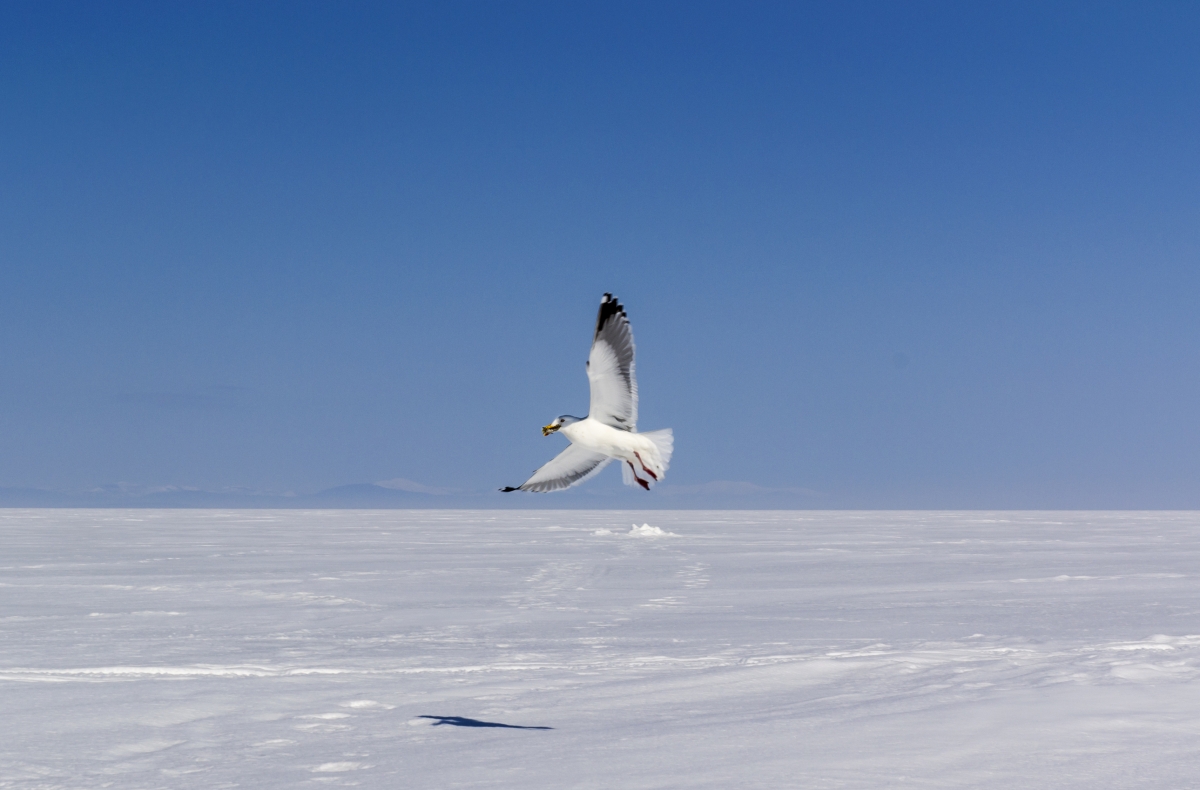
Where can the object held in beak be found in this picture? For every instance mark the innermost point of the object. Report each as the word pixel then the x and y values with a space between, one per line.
pixel 549 429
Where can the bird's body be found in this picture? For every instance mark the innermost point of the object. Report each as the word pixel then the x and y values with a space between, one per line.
pixel 636 449
pixel 610 430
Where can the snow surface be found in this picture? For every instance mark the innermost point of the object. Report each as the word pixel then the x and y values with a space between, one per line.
pixel 263 649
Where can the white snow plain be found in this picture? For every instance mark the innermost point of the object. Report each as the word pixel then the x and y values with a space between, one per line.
pixel 280 649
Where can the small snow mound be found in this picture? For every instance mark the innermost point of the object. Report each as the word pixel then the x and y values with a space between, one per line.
pixel 647 531
pixel 333 768
pixel 365 703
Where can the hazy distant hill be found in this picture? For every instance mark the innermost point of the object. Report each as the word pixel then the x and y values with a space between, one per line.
pixel 369 495
pixel 358 495
pixel 36 497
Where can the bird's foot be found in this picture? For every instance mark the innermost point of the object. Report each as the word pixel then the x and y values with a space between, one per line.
pixel 639 480
pixel 645 468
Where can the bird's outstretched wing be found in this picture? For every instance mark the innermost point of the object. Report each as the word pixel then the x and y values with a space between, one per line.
pixel 610 368
pixel 569 468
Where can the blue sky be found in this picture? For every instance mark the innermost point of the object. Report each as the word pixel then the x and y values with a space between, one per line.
pixel 875 255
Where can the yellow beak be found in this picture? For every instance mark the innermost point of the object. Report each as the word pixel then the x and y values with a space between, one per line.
pixel 548 429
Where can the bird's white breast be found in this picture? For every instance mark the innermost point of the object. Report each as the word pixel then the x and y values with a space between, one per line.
pixel 605 439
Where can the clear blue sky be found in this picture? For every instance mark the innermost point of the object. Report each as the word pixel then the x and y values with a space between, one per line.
pixel 886 254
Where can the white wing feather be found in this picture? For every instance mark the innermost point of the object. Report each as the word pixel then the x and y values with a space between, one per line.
pixel 610 368
pixel 569 468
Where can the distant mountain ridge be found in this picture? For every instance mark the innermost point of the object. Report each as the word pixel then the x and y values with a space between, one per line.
pixel 357 495
pixel 406 494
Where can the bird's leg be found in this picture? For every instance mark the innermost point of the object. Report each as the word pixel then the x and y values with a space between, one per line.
pixel 638 456
pixel 640 481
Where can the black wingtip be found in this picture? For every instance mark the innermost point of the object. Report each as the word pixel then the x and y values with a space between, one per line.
pixel 609 306
pixel 506 489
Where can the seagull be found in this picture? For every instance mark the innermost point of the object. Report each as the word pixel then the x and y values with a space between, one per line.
pixel 610 430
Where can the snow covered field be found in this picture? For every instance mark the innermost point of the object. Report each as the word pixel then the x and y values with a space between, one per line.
pixel 279 649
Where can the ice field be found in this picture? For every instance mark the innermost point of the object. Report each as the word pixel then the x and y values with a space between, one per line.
pixel 561 649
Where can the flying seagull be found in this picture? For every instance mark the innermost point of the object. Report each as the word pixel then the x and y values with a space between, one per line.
pixel 610 430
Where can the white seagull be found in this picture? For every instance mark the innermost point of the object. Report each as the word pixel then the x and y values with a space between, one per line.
pixel 610 429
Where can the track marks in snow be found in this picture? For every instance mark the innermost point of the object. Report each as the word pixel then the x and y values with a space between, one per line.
pixel 693 576
pixel 545 587
pixel 1161 656
pixel 1068 578
pixel 139 748
pixel 659 603
pixel 308 598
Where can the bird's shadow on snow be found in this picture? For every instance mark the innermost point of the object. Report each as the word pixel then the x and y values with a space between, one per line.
pixel 460 721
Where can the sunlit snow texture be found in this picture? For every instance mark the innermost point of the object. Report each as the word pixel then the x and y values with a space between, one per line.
pixel 438 649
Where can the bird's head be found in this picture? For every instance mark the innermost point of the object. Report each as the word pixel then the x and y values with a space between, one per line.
pixel 559 422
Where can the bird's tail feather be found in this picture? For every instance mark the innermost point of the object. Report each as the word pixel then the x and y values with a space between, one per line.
pixel 664 440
